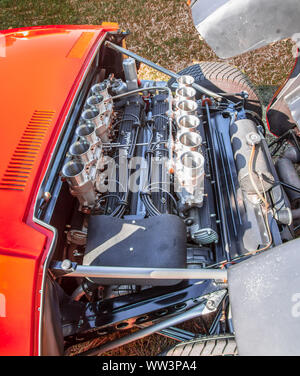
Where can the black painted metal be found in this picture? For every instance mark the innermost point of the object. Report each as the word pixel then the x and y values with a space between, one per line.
pixel 126 311
pixel 215 171
pixel 129 129
pixel 160 106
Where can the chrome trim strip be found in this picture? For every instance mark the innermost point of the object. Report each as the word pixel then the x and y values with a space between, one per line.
pixel 43 224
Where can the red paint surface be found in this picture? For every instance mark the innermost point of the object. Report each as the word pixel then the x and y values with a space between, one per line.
pixel 37 73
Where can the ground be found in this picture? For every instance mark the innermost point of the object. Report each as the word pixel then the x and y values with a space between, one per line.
pixel 163 32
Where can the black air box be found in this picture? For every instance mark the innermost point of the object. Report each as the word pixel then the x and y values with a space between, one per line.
pixel 155 242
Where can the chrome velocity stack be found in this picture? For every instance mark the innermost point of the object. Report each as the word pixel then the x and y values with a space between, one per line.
pixel 74 172
pixel 185 92
pixel 185 107
pixel 192 165
pixel 97 101
pixel 81 150
pixel 188 123
pixel 101 89
pixel 92 115
pixel 189 141
pixel 185 80
pixel 87 131
pixel 80 184
pixel 190 177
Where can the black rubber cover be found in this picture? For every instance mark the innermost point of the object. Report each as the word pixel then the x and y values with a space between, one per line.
pixel 265 296
pixel 158 241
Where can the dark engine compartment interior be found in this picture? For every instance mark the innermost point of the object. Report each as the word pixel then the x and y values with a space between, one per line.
pixel 152 176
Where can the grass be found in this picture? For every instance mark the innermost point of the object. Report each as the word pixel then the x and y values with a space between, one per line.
pixel 150 346
pixel 163 32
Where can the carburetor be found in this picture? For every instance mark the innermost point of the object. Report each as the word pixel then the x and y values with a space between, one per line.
pixel 86 153
pixel 189 161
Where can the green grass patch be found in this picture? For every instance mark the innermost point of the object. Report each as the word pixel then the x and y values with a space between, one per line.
pixel 161 31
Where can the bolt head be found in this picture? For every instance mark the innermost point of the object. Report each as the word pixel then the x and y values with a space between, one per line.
pixel 66 264
pixel 210 305
pixel 47 196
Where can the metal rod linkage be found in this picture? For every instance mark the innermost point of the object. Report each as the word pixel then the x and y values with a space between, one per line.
pixel 67 268
pixel 161 69
pixel 177 334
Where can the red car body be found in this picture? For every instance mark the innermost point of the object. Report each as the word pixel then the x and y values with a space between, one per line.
pixel 41 70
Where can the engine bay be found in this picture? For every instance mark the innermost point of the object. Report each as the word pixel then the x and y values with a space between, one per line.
pixel 155 179
pixel 154 154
